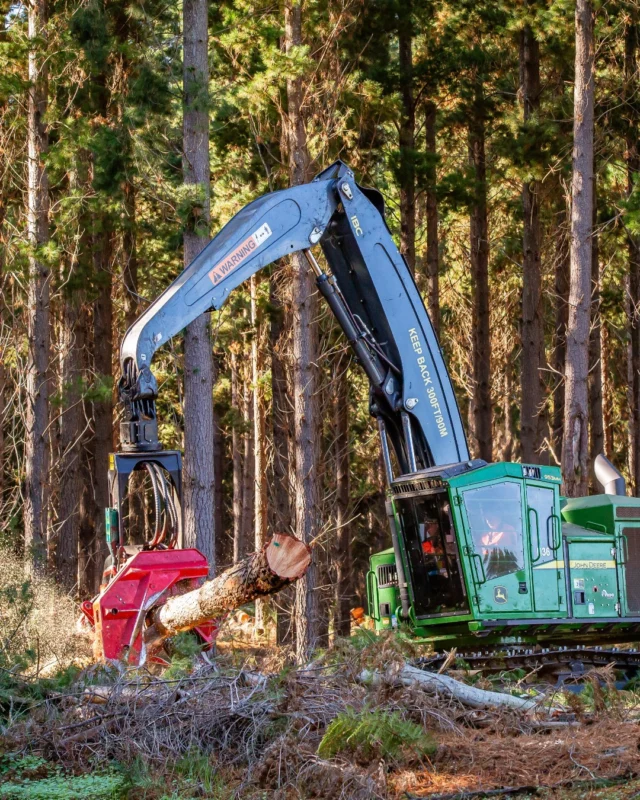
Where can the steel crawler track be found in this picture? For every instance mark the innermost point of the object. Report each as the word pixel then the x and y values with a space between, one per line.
pixel 560 661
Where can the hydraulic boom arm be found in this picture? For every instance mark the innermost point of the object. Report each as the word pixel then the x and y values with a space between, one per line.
pixel 370 291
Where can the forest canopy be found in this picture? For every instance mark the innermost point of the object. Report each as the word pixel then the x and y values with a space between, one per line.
pixel 123 150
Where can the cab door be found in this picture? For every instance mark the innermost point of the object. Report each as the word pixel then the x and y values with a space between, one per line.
pixel 493 520
pixel 544 543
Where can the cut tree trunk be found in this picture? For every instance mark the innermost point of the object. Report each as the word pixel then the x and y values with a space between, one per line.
pixel 468 695
pixel 280 562
pixel 576 409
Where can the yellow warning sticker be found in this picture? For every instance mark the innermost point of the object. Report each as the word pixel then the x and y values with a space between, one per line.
pixel 112 461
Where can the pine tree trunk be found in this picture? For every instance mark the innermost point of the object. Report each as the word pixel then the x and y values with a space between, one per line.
pixel 38 293
pixel 281 506
pixel 631 425
pixel 305 379
pixel 607 391
pixel 102 408
pixel 633 249
pixel 280 416
pixel 343 528
pixel 259 446
pixel 74 478
pixel 561 295
pixel 3 377
pixel 239 546
pixel 137 521
pixel 433 256
pixel 531 435
pixel 248 463
pixel 199 511
pixel 596 426
pixel 576 414
pixel 70 478
pixel 482 411
pixel 223 540
pixel 407 177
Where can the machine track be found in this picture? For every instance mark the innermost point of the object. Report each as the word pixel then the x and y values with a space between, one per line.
pixel 561 662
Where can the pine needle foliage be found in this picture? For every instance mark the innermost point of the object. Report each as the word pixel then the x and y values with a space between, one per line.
pixel 370 734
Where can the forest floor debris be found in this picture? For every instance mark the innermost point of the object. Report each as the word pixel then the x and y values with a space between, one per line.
pixel 215 727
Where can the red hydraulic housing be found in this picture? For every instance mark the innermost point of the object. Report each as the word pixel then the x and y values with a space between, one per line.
pixel 139 579
pixel 145 581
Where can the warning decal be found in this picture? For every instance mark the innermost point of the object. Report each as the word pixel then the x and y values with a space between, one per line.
pixel 244 249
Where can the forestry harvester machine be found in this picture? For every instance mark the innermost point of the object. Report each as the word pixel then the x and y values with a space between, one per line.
pixel 483 555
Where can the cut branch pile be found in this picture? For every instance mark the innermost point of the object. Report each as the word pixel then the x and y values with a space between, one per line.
pixel 264 730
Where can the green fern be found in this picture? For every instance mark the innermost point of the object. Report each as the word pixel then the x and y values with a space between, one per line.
pixel 375 734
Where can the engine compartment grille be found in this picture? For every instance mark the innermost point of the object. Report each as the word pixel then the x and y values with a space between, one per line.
pixel 424 485
pixel 628 512
pixel 387 576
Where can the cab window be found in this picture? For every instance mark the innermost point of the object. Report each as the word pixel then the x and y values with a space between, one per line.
pixel 432 553
pixel 494 514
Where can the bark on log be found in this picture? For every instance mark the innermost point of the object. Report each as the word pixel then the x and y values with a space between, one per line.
pixel 281 561
pixel 468 695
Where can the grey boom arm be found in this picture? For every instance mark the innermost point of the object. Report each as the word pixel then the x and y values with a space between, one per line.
pixel 371 292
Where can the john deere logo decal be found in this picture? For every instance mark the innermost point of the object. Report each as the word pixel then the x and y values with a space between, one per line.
pixel 500 594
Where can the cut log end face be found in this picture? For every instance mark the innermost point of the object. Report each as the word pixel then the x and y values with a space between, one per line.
pixel 287 557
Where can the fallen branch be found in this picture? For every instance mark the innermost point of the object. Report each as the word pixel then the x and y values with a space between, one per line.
pixel 280 562
pixel 468 695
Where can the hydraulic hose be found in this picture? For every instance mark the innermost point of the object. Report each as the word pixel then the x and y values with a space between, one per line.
pixel 157 502
pixel 402 582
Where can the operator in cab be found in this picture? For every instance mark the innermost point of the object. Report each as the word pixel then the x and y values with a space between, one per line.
pixel 500 543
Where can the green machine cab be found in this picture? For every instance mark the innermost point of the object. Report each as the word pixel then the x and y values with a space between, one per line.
pixel 493 554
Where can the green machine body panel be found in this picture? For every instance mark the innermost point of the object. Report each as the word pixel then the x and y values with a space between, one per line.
pixel 382 590
pixel 494 555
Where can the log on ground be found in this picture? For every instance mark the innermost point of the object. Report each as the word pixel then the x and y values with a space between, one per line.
pixel 281 561
pixel 468 695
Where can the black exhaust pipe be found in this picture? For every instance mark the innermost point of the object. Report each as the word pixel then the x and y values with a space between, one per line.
pixel 608 476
